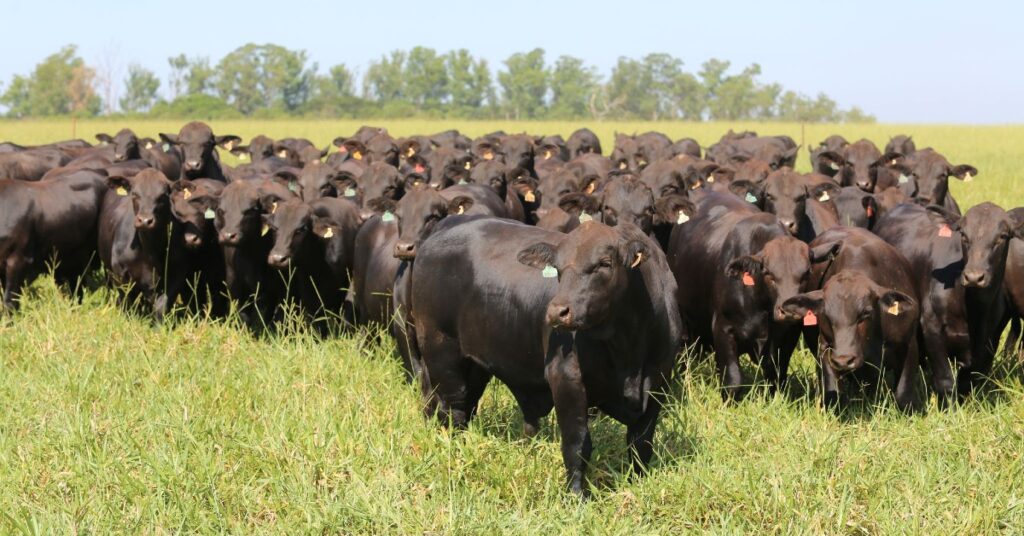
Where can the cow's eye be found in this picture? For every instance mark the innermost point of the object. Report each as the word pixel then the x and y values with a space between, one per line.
pixel 605 263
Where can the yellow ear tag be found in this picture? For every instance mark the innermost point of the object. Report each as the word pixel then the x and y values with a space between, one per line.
pixel 968 177
pixel 282 153
pixel 410 151
pixel 894 310
pixel 149 145
pixel 357 155
pixel 622 165
pixel 488 155
pixel 186 193
pixel 824 197
pixel 682 218
pixel 547 154
pixel 462 209
pixel 328 233
pixel 711 178
pixel 695 185
pixel 529 197
pixel 639 257
pixel 591 187
pixel 121 191
pixel 264 230
pixel 273 207
pixel 468 165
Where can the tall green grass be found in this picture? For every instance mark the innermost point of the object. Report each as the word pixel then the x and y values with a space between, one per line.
pixel 112 424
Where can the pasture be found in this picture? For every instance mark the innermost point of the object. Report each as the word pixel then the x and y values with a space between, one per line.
pixel 113 424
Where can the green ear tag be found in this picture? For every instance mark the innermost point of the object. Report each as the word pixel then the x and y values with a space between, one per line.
pixel 350 192
pixel 904 179
pixel 834 166
pixel 209 214
pixel 751 198
pixel 166 147
pixel 387 217
pixel 462 181
pixel 549 271
pixel 293 187
pixel 584 217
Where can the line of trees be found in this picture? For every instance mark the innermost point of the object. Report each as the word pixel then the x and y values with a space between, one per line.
pixel 270 81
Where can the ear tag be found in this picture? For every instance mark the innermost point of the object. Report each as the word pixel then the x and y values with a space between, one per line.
pixel 167 147
pixel 682 218
pixel 121 191
pixel 824 197
pixel 903 179
pixel 103 143
pixel 748 280
pixel 591 187
pixel 328 233
pixel 529 197
pixel 149 145
pixel 463 181
pixel 549 271
pixel 293 187
pixel 357 155
pixel 387 217
pixel 243 156
pixel 834 166
pixel 637 260
pixel 419 168
pixel 810 319
pixel 945 231
pixel 696 185
pixel 350 192
pixel 894 309
pixel 409 152
pixel 711 178
pixel 264 230
pixel 273 207
pixel 547 154
pixel 209 214
pixel 282 153
pixel 488 155
pixel 750 198
pixel 462 209
pixel 468 165
pixel 968 177
pixel 186 193
pixel 584 217
pixel 870 211
pixel 622 165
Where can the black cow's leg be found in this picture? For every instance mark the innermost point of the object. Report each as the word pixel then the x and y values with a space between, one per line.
pixel 17 273
pixel 570 399
pixel 908 376
pixel 829 381
pixel 938 355
pixel 1013 338
pixel 534 405
pixel 727 361
pixel 450 378
pixel 640 436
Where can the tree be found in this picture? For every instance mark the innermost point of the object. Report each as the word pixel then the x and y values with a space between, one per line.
pixel 384 81
pixel 572 86
pixel 139 89
pixel 425 77
pixel 190 76
pixel 469 83
pixel 524 84
pixel 629 91
pixel 254 77
pixel 60 84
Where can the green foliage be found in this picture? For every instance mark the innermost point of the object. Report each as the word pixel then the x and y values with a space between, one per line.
pixel 197 106
pixel 190 76
pixel 524 84
pixel 254 77
pixel 59 85
pixel 573 85
pixel 140 89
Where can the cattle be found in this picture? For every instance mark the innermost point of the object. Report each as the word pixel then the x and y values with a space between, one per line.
pixel 1013 282
pixel 197 145
pixel 857 164
pixel 498 177
pixel 315 239
pixel 853 207
pixel 582 141
pixel 380 147
pixel 50 220
pixel 374 267
pixel 126 147
pixel 259 148
pixel 683 147
pixel 198 260
pixel 901 144
pixel 634 153
pixel 931 172
pixel 31 164
pixel 572 322
pixel 777 151
pixel 245 240
pixel 833 143
pixel 861 313
pixel 734 267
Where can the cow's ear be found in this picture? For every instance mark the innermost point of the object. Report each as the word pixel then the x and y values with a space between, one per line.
pixel 228 141
pixel 899 313
pixel 887 159
pixel 963 172
pixel 182 185
pixel 870 205
pixel 269 202
pixel 832 157
pixel 342 181
pixel 746 190
pixel 673 209
pixel 240 150
pixel 339 142
pixel 169 138
pixel 747 265
pixel 825 191
pixel 105 138
pixel 408 148
pixel 381 204
pixel 121 185
pixel 589 184
pixel 798 307
pixel 323 227
pixel 539 255
pixel 634 253
pixel 577 203
pixel 459 205
pixel 289 179
pixel 147 143
pixel 896 303
pixel 822 252
pixel 414 180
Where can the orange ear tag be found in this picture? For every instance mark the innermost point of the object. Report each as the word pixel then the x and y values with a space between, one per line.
pixel 945 231
pixel 748 280
pixel 419 168
pixel 870 211
pixel 810 319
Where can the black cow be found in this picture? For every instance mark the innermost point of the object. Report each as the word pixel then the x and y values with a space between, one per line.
pixel 582 141
pixel 932 171
pixel 833 143
pixel 572 322
pixel 197 146
pixel 198 274
pixel 31 164
pixel 857 164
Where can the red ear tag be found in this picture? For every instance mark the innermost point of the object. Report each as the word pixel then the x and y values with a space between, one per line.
pixel 747 279
pixel 810 319
pixel 870 211
pixel 419 168
pixel 945 231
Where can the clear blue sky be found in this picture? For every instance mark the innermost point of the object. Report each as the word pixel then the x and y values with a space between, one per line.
pixel 904 61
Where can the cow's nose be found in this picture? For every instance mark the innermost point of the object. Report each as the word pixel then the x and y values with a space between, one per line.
pixel 192 164
pixel 866 186
pixel 975 278
pixel 366 214
pixel 228 238
pixel 278 260
pixel 559 315
pixel 780 315
pixel 144 223
pixel 790 226
pixel 844 363
pixel 192 239
pixel 405 250
pixel 118 158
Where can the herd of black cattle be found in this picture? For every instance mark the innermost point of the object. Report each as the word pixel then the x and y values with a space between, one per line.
pixel 574 278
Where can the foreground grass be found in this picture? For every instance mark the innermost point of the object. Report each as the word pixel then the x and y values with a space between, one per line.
pixel 995 150
pixel 112 424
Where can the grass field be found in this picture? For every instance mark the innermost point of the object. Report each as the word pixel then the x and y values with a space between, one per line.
pixel 113 424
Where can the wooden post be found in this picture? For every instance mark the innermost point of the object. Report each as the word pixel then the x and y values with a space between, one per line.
pixel 74 127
